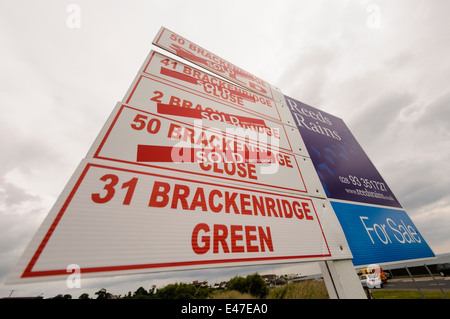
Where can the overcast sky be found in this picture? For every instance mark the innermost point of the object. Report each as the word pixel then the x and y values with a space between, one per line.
pixel 382 66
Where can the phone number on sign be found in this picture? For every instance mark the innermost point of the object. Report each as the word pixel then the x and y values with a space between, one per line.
pixel 363 182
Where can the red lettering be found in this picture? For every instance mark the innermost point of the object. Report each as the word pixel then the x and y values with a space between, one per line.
pixel 280 211
pixel 241 170
pixel 200 50
pixel 204 166
pixel 199 200
pixel 174 132
pixel 235 237
pixel 288 161
pixel 257 87
pixel 199 250
pixel 270 205
pixel 230 168
pixel 220 238
pixel 258 205
pixel 216 168
pixel 298 210
pixel 252 171
pixel 187 70
pixel 174 101
pixel 180 193
pixel 187 104
pixel 109 187
pixel 265 238
pixel 214 208
pixel 284 160
pixel 306 210
pixel 188 135
pixel 288 213
pixel 249 238
pixel 245 201
pixel 280 159
pixel 160 190
pixel 240 238
pixel 231 201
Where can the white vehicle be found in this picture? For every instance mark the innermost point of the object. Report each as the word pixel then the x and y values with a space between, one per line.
pixel 371 281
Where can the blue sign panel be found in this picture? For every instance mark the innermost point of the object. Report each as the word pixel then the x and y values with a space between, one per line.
pixel 342 165
pixel 378 234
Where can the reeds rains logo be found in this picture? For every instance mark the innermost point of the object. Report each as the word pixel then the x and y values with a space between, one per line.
pixel 313 121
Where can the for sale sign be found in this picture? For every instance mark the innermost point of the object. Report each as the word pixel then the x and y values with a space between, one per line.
pixel 377 230
pixel 190 51
pixel 380 234
pixel 115 219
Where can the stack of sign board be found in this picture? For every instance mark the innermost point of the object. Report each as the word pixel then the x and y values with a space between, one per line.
pixel 376 226
pixel 191 170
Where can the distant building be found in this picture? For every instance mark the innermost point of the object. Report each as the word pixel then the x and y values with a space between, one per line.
pixel 269 277
pixel 197 283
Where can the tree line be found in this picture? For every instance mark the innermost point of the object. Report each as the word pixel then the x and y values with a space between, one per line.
pixel 252 284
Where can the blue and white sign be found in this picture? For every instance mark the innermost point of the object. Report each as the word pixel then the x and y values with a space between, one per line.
pixel 344 169
pixel 380 234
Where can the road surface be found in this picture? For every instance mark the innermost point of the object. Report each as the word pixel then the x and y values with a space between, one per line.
pixel 424 283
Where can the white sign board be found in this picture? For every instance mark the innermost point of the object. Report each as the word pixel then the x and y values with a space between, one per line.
pixel 150 94
pixel 114 219
pixel 190 51
pixel 150 140
pixel 173 71
pixel 189 171
pixel 146 89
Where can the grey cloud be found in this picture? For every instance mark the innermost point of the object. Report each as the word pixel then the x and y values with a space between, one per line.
pixel 436 116
pixel 305 78
pixel 10 195
pixel 419 181
pixel 378 115
pixel 16 230
pixel 23 150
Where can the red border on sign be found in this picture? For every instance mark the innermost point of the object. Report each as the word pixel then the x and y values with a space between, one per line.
pixel 157 42
pixel 28 272
pixel 200 92
pixel 97 155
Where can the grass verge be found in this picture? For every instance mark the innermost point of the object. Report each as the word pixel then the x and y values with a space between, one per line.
pixel 308 289
pixel 407 294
